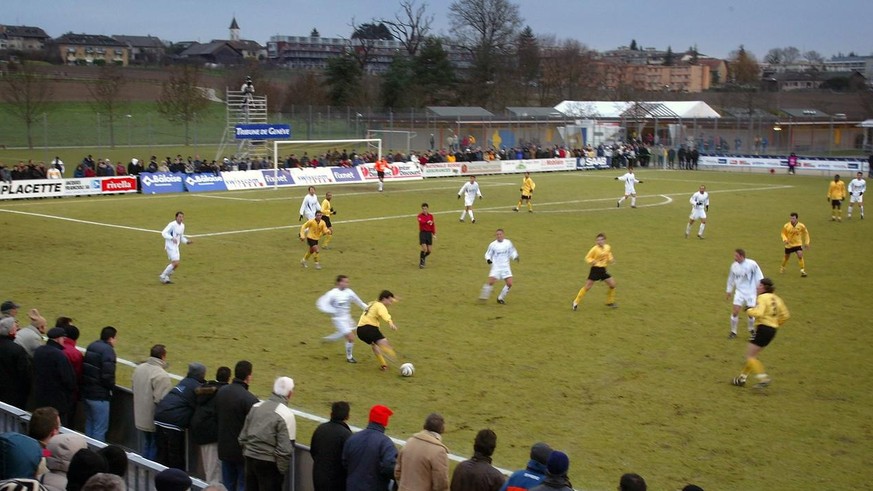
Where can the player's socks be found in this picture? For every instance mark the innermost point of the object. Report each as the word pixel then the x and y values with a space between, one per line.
pixel 486 291
pixel 755 366
pixel 463 214
pixel 350 345
pixel 610 296
pixel 471 216
pixel 167 271
pixel 582 292
pixel 427 254
pixel 620 200
pixel 504 292
pixel 306 256
pixel 700 230
pixel 327 240
pixel 380 185
pixel 802 264
pixel 529 206
pixel 421 256
pixel 633 202
pixel 687 230
pixel 518 205
pixel 734 322
pixel 315 257
pixel 381 359
pixel 389 353
pixel 784 261
pixel 751 325
pixel 862 213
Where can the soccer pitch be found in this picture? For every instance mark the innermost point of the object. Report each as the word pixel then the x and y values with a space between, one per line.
pixel 643 388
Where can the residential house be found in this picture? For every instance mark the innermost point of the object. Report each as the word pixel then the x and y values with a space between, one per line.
pixel 91 49
pixel 215 52
pixel 23 38
pixel 143 49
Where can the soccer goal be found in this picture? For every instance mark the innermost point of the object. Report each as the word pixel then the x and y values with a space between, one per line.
pixel 285 149
pixel 394 140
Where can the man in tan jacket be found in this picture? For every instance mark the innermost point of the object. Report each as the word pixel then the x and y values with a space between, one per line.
pixel 423 464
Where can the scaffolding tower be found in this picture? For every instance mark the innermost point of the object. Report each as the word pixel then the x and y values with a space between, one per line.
pixel 243 109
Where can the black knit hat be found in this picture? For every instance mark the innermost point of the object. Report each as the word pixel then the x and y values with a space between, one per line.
pixel 83 465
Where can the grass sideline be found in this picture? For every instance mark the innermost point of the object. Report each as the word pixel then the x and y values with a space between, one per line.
pixel 644 388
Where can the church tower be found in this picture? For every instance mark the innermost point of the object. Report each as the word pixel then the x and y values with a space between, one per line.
pixel 234 30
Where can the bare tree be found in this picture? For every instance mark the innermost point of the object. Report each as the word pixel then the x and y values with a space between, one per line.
pixel 27 94
pixel 363 41
pixel 181 97
pixel 814 57
pixel 411 26
pixel 487 29
pixel 105 91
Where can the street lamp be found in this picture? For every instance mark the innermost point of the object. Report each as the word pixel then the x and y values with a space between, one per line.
pixel 129 117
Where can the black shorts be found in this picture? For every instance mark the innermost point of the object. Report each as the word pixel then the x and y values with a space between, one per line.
pixel 425 237
pixel 527 197
pixel 763 335
pixel 326 220
pixel 835 203
pixel 789 250
pixel 312 242
pixel 369 334
pixel 380 174
pixel 598 273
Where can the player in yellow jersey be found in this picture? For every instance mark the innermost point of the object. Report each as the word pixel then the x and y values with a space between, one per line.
pixel 836 195
pixel 326 212
pixel 770 312
pixel 527 189
pixel 368 328
pixel 599 257
pixel 311 232
pixel 795 236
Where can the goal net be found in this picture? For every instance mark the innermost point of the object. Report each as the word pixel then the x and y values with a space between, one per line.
pixel 394 140
pixel 294 153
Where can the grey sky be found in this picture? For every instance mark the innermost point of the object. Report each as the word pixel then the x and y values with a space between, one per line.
pixel 716 26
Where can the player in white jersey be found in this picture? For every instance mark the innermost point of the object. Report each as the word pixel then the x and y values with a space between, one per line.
pixel 310 205
pixel 173 234
pixel 742 283
pixel 629 180
pixel 856 194
pixel 338 303
pixel 498 255
pixel 469 190
pixel 699 206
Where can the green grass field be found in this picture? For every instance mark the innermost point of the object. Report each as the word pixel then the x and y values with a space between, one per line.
pixel 643 388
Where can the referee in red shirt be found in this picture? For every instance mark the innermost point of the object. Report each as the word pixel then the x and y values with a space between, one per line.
pixel 426 234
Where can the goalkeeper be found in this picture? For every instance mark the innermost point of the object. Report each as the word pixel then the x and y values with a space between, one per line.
pixel 527 189
pixel 699 207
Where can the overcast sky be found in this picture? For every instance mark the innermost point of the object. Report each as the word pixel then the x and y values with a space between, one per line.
pixel 717 27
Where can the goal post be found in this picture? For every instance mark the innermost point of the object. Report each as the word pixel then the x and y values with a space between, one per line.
pixel 322 146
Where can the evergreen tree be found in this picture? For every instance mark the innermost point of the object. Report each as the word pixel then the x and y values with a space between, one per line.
pixel 633 45
pixel 669 58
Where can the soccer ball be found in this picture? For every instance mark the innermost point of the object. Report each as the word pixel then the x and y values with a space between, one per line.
pixel 407 369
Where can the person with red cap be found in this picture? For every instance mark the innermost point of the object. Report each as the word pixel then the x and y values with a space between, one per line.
pixel 369 456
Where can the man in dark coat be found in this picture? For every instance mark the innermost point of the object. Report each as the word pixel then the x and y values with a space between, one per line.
pixel 173 416
pixel 369 456
pixel 232 404
pixel 55 381
pixel 98 381
pixel 326 449
pixel 15 371
pixel 204 424
pixel 477 473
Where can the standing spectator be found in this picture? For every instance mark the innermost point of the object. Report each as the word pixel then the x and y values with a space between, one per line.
pixel 556 473
pixel 151 382
pixel 682 155
pixel 173 416
pixel 172 480
pixel 204 424
pixel 792 163
pixel 695 157
pixel 267 438
pixel 671 157
pixel 632 482
pixel 31 337
pixel 477 473
pixel 326 449
pixel 71 351
pixel 423 464
pixel 54 376
pixel 98 382
pixel 533 475
pixel 369 456
pixel 61 448
pixel 232 405
pixel 15 369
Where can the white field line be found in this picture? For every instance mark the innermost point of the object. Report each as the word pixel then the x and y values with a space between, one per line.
pixel 340 194
pixel 390 217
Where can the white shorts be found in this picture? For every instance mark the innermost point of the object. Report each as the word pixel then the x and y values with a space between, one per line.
pixel 745 299
pixel 698 214
pixel 629 191
pixel 469 201
pixel 172 252
pixel 500 272
pixel 343 324
pixel 856 199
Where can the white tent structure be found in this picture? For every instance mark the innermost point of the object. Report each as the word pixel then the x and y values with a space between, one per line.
pixel 599 122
